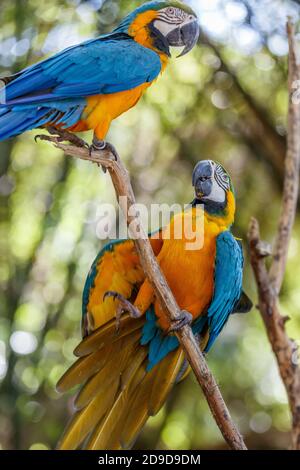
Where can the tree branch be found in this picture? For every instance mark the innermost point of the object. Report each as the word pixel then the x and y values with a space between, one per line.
pixel 291 180
pixel 122 184
pixel 269 282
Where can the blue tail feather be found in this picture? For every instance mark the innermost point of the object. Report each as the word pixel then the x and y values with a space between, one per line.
pixel 3 110
pixel 23 117
pixel 13 122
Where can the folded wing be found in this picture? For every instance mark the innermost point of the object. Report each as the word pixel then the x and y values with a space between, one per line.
pixel 228 284
pixel 108 64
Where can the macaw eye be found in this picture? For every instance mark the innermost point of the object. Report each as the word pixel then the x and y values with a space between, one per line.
pixel 204 178
pixel 225 178
pixel 171 11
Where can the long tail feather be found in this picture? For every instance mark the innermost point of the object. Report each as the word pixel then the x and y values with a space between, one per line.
pixel 86 420
pixel 107 434
pixel 107 334
pixel 165 378
pixel 113 368
pixel 137 412
pixel 83 369
pixel 119 390
pixel 119 395
pixel 95 402
pixel 13 123
pixel 150 396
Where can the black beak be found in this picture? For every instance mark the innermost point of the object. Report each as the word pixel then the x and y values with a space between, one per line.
pixel 186 35
pixel 202 181
pixel 203 189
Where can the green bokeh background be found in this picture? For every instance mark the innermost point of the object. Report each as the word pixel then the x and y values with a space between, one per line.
pixel 227 101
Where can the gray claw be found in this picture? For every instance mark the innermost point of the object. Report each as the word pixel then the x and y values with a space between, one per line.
pixel 47 138
pixel 184 319
pixel 112 150
pixel 123 307
pixel 100 145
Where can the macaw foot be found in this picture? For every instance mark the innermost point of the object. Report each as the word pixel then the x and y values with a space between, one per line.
pixel 100 145
pixel 184 319
pixel 60 135
pixel 123 307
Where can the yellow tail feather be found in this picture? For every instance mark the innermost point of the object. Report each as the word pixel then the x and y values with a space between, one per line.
pixel 83 369
pixel 137 411
pixel 150 396
pixel 85 420
pixel 107 334
pixel 164 380
pixel 99 393
pixel 107 434
pixel 118 394
pixel 116 402
pixel 110 372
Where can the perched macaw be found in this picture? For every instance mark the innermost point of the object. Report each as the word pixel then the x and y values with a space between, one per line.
pixel 128 373
pixel 89 85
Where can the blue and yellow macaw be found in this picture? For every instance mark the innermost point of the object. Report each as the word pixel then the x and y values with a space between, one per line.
pixel 127 374
pixel 89 85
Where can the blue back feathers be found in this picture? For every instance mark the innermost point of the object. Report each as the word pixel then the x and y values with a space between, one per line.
pixel 95 67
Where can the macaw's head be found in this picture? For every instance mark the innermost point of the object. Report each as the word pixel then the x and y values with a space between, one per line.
pixel 213 188
pixel 167 24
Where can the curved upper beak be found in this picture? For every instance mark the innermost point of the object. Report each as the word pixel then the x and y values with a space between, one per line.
pixel 202 190
pixel 202 186
pixel 186 35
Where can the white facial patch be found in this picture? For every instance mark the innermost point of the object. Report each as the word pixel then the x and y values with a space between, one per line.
pixel 217 193
pixel 163 27
pixel 170 18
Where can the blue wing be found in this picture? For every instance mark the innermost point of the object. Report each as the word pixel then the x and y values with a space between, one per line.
pixel 227 293
pixel 108 64
pixel 228 284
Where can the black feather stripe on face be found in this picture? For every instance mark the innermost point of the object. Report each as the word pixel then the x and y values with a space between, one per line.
pixel 222 178
pixel 172 15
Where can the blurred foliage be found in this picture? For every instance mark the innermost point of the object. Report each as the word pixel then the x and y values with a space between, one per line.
pixel 227 101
